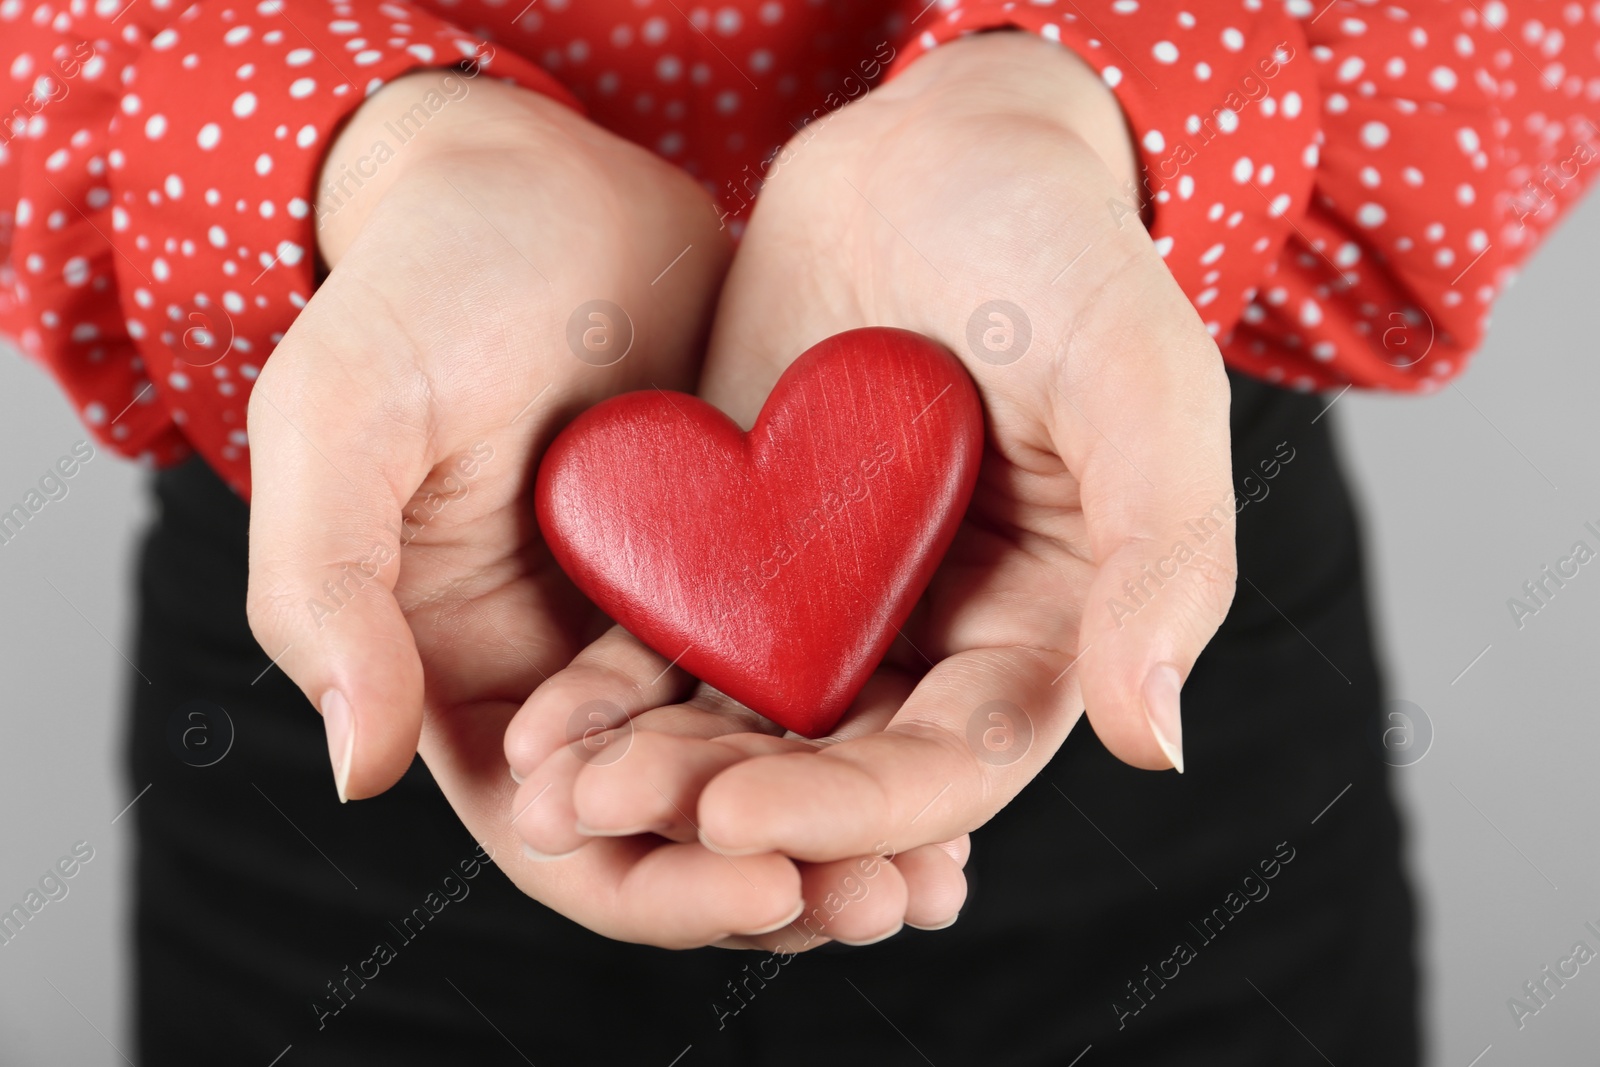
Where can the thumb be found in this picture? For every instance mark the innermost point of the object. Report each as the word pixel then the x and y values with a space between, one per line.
pixel 328 487
pixel 1157 496
pixel 1153 605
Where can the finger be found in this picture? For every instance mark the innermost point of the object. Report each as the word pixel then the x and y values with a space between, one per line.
pixel 628 800
pixel 330 476
pixel 610 783
pixel 674 751
pixel 937 771
pixel 1149 441
pixel 702 897
pixel 936 886
pixel 641 890
pixel 657 787
pixel 542 811
pixel 859 901
pixel 855 902
pixel 607 683
pixel 958 849
pixel 633 889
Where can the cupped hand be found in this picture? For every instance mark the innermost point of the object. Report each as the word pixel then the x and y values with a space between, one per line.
pixel 396 572
pixel 598 779
pixel 980 199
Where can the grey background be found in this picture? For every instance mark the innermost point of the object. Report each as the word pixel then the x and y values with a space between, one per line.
pixel 1467 494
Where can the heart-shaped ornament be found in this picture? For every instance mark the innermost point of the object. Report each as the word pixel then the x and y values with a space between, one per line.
pixel 776 565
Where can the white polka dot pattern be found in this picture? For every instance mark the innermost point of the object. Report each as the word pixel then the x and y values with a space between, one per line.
pixel 184 184
pixel 1341 187
pixel 1347 214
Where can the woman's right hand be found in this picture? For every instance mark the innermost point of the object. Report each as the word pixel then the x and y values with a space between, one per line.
pixel 396 572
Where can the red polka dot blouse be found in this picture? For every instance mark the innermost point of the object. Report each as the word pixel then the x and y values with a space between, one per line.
pixel 1341 188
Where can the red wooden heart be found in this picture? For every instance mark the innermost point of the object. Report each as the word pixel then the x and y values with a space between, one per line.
pixel 776 565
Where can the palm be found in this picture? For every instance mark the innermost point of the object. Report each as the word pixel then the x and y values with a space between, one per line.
pixel 1010 570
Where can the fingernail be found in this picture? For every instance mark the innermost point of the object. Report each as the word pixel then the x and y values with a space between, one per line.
pixel 1161 708
pixel 635 831
pixel 872 940
pixel 941 926
pixel 798 908
pixel 341 726
pixel 515 777
pixel 719 850
pixel 540 857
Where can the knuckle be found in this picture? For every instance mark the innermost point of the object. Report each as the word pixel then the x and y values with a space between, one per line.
pixel 1213 578
pixel 268 607
pixel 261 392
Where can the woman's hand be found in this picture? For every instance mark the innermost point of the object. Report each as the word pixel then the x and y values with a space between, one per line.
pixel 980 199
pixel 396 572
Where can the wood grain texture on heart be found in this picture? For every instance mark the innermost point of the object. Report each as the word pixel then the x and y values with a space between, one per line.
pixel 775 565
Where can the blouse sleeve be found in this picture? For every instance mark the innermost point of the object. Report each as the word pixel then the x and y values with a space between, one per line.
pixel 1342 189
pixel 167 156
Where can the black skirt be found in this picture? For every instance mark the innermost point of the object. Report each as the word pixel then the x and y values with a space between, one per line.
pixel 1250 912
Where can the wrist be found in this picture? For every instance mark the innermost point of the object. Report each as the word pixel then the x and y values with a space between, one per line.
pixel 408 124
pixel 1016 73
